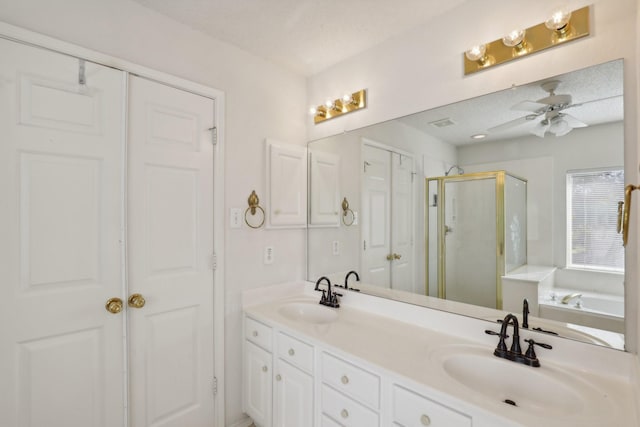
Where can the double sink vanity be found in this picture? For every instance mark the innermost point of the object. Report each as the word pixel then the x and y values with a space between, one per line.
pixel 378 362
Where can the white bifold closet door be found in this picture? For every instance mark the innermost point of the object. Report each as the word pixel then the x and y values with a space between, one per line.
pixel 70 240
pixel 170 244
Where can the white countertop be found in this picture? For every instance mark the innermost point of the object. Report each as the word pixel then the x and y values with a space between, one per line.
pixel 364 330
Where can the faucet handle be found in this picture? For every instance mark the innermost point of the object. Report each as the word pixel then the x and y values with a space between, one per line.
pixel 489 332
pixel 530 355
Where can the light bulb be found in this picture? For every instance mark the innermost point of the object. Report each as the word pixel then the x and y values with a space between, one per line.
pixel 559 20
pixel 559 126
pixel 313 111
pixel 477 53
pixel 329 104
pixel 514 38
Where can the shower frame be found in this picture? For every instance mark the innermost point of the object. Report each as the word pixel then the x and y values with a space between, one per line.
pixel 500 177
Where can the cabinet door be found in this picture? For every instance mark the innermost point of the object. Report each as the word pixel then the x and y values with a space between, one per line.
pixel 293 397
pixel 257 384
pixel 286 185
pixel 325 189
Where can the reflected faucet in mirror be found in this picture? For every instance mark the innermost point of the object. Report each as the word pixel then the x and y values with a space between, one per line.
pixel 346 280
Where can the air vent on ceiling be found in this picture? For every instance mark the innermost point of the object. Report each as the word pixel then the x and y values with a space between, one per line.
pixel 442 123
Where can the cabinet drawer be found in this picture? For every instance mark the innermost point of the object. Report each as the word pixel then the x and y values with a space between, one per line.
pixel 351 380
pixel 296 352
pixel 345 411
pixel 328 422
pixel 258 333
pixel 412 410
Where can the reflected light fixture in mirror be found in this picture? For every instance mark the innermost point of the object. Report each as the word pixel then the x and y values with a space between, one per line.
pixel 562 26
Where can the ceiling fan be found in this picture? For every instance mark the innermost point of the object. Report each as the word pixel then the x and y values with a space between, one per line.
pixel 548 111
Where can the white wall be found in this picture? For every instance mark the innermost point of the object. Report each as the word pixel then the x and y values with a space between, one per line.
pixel 252 86
pixel 424 69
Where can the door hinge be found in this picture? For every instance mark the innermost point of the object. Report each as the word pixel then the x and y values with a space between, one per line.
pixel 213 262
pixel 214 135
pixel 364 245
pixel 214 386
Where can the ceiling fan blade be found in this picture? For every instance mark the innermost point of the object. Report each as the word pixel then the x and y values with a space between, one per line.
pixel 579 104
pixel 572 121
pixel 512 123
pixel 534 107
pixel 555 100
pixel 540 129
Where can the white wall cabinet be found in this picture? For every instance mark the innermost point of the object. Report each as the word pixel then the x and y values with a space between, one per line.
pixel 325 206
pixel 310 385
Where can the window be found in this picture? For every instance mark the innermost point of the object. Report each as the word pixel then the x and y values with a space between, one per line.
pixel 592 215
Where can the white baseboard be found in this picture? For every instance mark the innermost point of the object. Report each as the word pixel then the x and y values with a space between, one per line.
pixel 245 422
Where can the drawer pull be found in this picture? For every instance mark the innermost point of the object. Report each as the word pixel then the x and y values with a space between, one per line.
pixel 344 413
pixel 255 333
pixel 425 420
pixel 264 369
pixel 344 379
pixel 291 352
pixel 279 378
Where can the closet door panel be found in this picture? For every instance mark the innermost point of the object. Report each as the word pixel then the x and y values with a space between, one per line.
pixel 170 226
pixel 61 352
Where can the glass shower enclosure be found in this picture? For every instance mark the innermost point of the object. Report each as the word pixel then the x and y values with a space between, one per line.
pixel 476 233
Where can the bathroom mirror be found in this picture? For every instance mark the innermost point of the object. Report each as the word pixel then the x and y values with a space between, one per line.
pixel 474 206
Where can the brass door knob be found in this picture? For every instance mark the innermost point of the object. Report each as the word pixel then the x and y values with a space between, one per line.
pixel 390 257
pixel 397 256
pixel 114 305
pixel 136 301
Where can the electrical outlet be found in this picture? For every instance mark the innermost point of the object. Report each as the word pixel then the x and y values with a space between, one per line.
pixel 336 247
pixel 268 255
pixel 235 217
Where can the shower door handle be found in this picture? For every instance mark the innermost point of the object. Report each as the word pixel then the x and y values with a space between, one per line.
pixel 626 212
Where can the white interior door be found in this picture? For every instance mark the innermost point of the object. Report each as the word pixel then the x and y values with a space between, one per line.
pixel 170 206
pixel 402 224
pixel 61 352
pixel 376 213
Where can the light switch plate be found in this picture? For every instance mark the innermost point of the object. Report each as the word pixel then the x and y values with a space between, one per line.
pixel 235 217
pixel 268 255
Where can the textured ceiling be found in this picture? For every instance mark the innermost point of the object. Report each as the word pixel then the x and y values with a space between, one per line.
pixel 600 87
pixel 303 35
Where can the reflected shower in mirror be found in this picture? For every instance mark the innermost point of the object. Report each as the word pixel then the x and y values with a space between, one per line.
pixel 476 206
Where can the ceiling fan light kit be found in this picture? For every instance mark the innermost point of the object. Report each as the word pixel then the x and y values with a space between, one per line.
pixel 562 26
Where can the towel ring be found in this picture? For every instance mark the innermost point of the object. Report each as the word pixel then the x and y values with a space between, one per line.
pixel 345 213
pixel 254 205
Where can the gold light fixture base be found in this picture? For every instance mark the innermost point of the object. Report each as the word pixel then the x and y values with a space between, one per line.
pixel 340 107
pixel 537 38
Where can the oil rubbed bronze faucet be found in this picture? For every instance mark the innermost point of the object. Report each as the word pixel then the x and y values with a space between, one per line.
pixel 515 352
pixel 330 299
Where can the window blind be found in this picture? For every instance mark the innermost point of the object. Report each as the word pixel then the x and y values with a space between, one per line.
pixel 593 198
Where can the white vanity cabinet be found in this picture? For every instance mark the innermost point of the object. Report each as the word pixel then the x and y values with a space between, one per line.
pixel 278 382
pixel 289 382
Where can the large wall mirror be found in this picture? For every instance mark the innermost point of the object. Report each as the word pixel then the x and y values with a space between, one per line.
pixel 477 206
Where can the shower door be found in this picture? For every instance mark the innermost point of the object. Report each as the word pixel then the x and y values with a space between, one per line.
pixel 470 241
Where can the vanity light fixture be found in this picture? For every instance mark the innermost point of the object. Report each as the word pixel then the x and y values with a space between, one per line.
pixel 334 108
pixel 562 26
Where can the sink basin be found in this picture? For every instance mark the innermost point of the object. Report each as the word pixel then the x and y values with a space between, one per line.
pixel 308 312
pixel 539 391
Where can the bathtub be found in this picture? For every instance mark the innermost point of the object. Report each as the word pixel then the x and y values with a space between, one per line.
pixel 594 310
